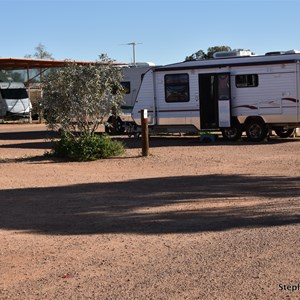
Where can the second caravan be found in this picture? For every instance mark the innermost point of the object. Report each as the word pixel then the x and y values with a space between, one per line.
pixel 132 78
pixel 254 94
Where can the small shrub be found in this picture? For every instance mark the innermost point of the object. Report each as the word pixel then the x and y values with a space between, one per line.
pixel 86 147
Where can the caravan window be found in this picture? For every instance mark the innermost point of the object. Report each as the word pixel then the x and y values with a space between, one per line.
pixel 177 88
pixel 126 86
pixel 14 93
pixel 249 80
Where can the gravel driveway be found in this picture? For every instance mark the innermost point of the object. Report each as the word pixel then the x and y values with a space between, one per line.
pixel 191 221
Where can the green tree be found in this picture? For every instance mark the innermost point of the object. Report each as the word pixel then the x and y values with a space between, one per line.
pixel 40 53
pixel 212 50
pixel 77 99
pixel 200 54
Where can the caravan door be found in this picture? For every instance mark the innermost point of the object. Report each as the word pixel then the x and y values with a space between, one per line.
pixel 214 101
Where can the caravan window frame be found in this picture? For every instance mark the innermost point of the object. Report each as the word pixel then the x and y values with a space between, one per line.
pixel 246 80
pixel 177 87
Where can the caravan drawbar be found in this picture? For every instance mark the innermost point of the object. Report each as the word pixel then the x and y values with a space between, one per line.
pixel 254 94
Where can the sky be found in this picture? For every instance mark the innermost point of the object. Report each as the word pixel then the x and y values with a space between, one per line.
pixel 166 31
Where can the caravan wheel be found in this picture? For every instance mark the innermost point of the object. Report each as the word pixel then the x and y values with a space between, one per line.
pixel 284 133
pixel 115 126
pixel 256 130
pixel 233 133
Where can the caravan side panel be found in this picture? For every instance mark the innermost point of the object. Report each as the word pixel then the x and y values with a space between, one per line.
pixel 132 78
pixel 181 113
pixel 274 98
pixel 145 100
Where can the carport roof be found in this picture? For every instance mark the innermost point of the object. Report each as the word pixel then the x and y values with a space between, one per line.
pixel 29 63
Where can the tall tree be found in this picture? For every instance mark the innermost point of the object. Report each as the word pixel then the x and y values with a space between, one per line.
pixel 212 50
pixel 40 53
pixel 200 54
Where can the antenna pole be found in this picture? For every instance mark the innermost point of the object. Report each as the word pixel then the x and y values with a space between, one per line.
pixel 133 44
pixel 133 50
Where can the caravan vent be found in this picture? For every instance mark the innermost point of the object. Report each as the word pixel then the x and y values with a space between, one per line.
pixel 274 53
pixel 231 54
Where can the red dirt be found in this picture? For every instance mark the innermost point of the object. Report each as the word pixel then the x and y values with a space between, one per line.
pixel 191 221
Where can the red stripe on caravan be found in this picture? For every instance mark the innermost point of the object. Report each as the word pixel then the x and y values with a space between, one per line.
pixel 172 110
pixel 290 99
pixel 246 106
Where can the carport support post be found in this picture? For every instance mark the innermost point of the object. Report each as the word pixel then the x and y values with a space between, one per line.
pixel 145 132
pixel 28 90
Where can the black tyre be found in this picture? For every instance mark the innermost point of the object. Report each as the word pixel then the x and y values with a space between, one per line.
pixel 256 130
pixel 284 133
pixel 115 126
pixel 233 133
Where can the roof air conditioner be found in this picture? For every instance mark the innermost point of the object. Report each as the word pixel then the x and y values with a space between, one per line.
pixel 231 54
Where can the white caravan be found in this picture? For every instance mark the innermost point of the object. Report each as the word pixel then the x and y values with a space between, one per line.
pixel 132 78
pixel 233 94
pixel 14 100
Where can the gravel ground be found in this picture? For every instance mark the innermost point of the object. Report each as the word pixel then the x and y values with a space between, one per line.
pixel 191 221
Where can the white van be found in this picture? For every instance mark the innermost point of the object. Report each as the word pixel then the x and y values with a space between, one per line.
pixel 14 100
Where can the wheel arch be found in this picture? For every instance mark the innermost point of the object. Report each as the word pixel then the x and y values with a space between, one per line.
pixel 250 119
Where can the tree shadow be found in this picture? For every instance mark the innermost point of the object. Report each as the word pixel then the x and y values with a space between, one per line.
pixel 47 144
pixel 175 141
pixel 27 140
pixel 185 204
pixel 28 135
pixel 41 139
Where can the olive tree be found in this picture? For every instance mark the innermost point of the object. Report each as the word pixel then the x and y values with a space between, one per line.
pixel 78 98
